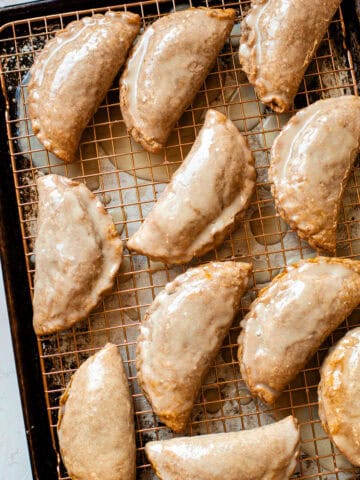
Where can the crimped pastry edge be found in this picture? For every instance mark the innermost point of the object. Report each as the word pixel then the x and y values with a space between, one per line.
pixel 33 86
pixel 112 237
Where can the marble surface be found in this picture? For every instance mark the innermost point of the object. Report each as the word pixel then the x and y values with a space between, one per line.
pixel 8 3
pixel 14 456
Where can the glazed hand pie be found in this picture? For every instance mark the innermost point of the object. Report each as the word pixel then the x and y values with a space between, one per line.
pixel 291 318
pixel 265 453
pixel 78 254
pixel 311 161
pixel 279 39
pixel 182 333
pixel 208 193
pixel 339 395
pixel 71 75
pixel 166 69
pixel 96 426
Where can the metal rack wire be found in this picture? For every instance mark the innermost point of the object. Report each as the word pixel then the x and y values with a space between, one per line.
pixel 129 181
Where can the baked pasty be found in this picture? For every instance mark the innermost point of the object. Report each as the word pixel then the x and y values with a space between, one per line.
pixel 182 333
pixel 339 395
pixel 166 69
pixel 96 426
pixel 291 318
pixel 310 167
pixel 279 39
pixel 210 190
pixel 265 453
pixel 72 74
pixel 78 253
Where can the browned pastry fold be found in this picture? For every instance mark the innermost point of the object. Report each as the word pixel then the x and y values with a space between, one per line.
pixel 265 453
pixel 71 75
pixel 279 39
pixel 182 333
pixel 96 426
pixel 291 318
pixel 311 161
pixel 78 253
pixel 339 395
pixel 206 196
pixel 166 69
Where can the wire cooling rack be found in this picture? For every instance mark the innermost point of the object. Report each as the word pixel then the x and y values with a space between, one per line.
pixel 128 180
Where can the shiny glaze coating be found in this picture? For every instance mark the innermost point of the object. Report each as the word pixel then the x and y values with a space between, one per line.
pixel 207 194
pixel 166 69
pixel 339 395
pixel 311 161
pixel 291 318
pixel 182 333
pixel 71 75
pixel 265 453
pixel 78 253
pixel 96 425
pixel 279 39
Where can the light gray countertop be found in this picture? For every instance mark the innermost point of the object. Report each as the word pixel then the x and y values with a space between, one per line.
pixel 8 3
pixel 14 456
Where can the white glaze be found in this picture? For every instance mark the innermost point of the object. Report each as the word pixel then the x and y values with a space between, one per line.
pixel 264 453
pixel 166 69
pixel 135 63
pixel 77 252
pixel 181 334
pixel 310 166
pixel 339 395
pixel 71 75
pixel 279 39
pixel 210 189
pixel 96 426
pixel 290 319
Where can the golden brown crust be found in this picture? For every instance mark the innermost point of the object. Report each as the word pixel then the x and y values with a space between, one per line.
pixel 174 351
pixel 272 347
pixel 269 452
pixel 96 427
pixel 173 75
pixel 279 39
pixel 339 395
pixel 66 88
pixel 78 253
pixel 205 198
pixel 309 198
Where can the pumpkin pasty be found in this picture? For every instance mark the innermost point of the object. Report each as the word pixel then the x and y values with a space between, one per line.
pixel 339 395
pixel 182 333
pixel 208 193
pixel 71 75
pixel 291 318
pixel 167 67
pixel 311 161
pixel 96 425
pixel 265 453
pixel 279 39
pixel 78 253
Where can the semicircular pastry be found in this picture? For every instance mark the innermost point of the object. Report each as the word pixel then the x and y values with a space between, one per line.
pixel 291 318
pixel 264 453
pixel 208 193
pixel 181 334
pixel 279 39
pixel 339 395
pixel 72 74
pixel 310 164
pixel 96 426
pixel 78 253
pixel 167 67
